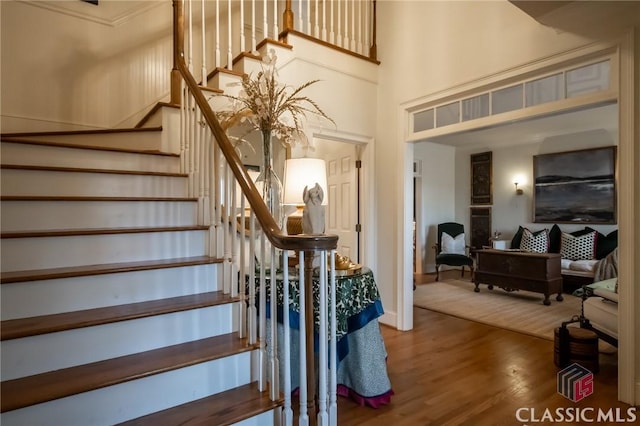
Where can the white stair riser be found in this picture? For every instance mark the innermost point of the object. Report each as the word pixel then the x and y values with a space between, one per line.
pixel 51 252
pixel 266 418
pixel 78 293
pixel 130 400
pixel 53 351
pixel 46 215
pixel 59 183
pixel 41 155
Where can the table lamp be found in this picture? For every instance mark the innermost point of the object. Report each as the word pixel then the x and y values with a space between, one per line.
pixel 298 174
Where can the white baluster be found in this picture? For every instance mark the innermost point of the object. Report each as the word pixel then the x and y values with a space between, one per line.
pixel 287 409
pixel 345 40
pixel 227 280
pixel 352 46
pixel 264 20
pixel 303 419
pixel 316 27
pixel 333 378
pixel 360 18
pixel 229 38
pixel 234 236
pixel 273 361
pixel 308 17
pixel 242 34
pixel 300 22
pixel 242 329
pixel 217 64
pixel 262 323
pixel 204 46
pixel 323 418
pixel 254 46
pixel 324 21
pixel 332 35
pixel 275 20
pixel 252 314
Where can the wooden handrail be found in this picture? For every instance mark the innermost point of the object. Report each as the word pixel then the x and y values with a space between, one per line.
pixel 266 221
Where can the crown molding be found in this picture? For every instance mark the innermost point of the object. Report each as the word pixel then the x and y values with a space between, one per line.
pixel 108 13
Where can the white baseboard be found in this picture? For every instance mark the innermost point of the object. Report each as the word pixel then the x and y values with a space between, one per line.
pixel 390 319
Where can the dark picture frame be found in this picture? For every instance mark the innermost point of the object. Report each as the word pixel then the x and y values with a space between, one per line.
pixel 482 178
pixel 575 186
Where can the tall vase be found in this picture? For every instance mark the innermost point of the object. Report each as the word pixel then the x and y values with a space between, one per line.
pixel 268 181
pixel 270 186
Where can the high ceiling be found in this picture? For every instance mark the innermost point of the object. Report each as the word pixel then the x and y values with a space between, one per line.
pixel 535 130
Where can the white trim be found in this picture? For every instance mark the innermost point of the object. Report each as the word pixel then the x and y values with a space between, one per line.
pixel 404 260
pixel 628 153
pixel 514 74
pixel 83 11
pixel 628 382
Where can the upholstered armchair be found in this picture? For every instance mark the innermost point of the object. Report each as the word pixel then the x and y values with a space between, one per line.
pixel 451 248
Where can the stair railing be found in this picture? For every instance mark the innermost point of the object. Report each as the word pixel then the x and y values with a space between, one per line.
pixel 224 188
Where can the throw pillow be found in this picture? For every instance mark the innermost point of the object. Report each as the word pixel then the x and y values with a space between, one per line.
pixel 582 247
pixel 605 244
pixel 517 238
pixel 554 239
pixel 537 242
pixel 453 245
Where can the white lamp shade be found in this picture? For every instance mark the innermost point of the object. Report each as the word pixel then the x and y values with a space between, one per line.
pixel 301 172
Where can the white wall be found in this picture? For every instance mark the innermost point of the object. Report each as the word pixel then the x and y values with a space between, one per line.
pixel 438 184
pixel 62 71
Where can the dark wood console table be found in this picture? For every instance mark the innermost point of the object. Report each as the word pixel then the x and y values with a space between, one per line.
pixel 515 270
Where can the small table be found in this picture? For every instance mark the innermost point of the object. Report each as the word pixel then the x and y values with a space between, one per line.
pixel 517 270
pixel 360 345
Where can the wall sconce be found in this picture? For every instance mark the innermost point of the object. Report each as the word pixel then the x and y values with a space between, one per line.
pixel 518 190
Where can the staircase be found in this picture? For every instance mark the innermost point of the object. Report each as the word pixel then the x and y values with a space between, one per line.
pixel 113 312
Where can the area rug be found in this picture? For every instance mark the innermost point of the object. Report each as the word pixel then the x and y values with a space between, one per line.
pixel 520 311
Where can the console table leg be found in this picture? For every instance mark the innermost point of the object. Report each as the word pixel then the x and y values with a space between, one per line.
pixel 546 301
pixel 559 297
pixel 477 289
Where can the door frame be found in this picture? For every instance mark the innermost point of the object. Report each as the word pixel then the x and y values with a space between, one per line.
pixel 627 50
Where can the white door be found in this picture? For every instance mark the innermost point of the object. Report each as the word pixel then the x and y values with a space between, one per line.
pixel 342 175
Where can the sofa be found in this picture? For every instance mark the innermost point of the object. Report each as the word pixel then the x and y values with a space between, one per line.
pixel 583 252
pixel 600 309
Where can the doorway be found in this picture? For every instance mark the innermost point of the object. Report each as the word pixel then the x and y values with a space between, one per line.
pixel 344 194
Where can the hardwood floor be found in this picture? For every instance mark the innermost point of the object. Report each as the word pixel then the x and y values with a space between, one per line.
pixel 453 371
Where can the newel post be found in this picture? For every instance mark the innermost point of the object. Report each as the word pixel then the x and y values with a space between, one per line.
pixel 287 17
pixel 178 45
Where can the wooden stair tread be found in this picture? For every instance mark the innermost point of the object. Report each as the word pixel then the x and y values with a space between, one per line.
pixel 88 198
pixel 20 140
pixel 224 408
pixel 89 170
pixel 26 391
pixel 31 326
pixel 99 231
pixel 108 268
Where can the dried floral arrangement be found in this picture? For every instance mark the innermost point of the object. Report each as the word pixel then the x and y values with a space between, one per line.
pixel 271 107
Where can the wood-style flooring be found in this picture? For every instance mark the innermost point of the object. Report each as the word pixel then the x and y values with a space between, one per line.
pixel 450 371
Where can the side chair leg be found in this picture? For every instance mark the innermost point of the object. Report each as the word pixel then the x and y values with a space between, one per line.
pixel 437 272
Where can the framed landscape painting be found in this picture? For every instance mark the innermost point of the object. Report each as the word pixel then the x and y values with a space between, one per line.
pixel 575 186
